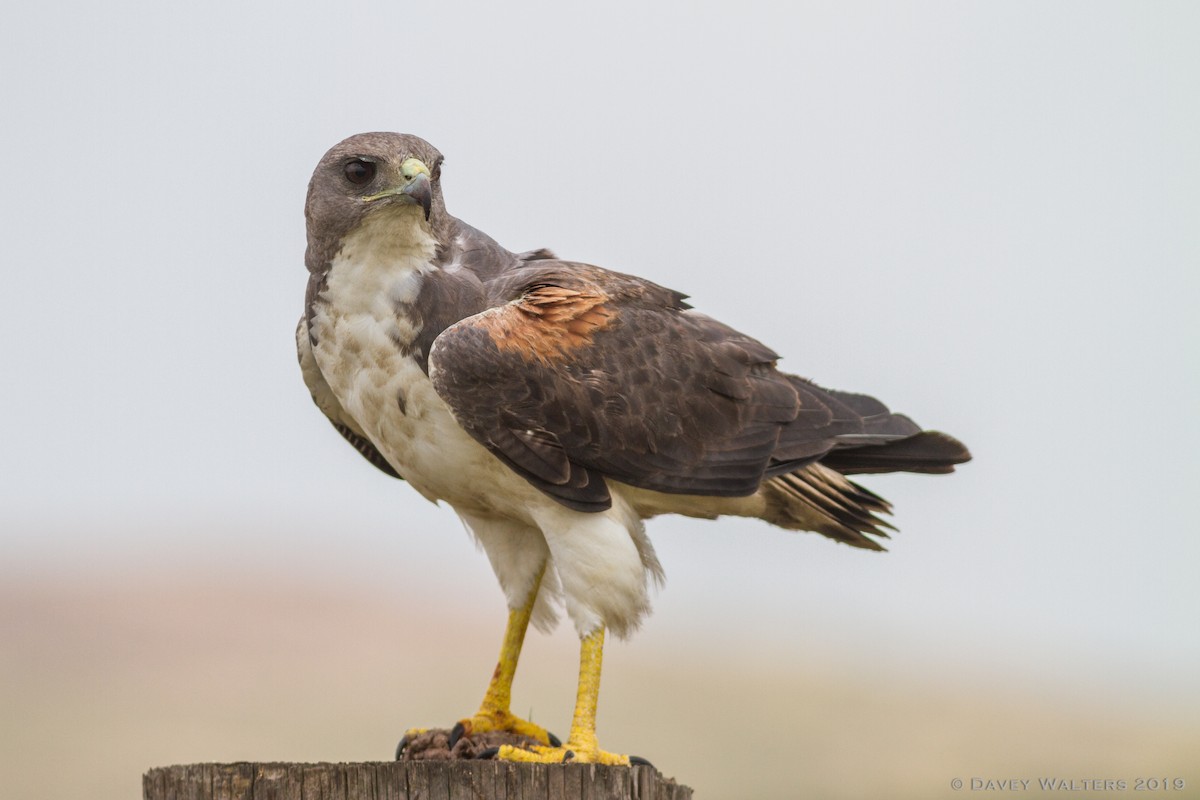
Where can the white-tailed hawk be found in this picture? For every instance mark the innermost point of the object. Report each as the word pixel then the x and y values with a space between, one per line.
pixel 556 405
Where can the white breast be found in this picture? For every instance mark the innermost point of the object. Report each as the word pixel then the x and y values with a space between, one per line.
pixel 363 352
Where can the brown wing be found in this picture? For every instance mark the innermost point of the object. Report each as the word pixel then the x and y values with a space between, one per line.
pixel 576 374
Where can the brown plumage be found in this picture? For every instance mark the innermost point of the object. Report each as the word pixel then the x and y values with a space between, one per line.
pixel 556 405
pixel 652 394
pixel 575 376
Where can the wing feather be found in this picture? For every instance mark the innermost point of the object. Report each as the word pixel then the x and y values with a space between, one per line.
pixel 576 374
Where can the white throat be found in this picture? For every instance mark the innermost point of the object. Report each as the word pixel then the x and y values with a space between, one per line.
pixel 381 265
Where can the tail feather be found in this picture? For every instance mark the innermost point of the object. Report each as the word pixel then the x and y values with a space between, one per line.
pixel 837 434
pixel 818 496
pixel 927 451
pixel 819 499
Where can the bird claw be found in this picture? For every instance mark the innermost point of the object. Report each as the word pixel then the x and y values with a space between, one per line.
pixel 405 740
pixel 484 722
pixel 457 733
pixel 562 754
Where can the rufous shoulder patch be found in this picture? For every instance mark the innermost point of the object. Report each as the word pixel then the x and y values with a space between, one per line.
pixel 548 322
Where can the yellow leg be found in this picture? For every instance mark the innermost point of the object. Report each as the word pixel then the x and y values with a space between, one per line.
pixel 581 745
pixel 494 713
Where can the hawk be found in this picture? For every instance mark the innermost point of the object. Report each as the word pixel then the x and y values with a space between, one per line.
pixel 555 405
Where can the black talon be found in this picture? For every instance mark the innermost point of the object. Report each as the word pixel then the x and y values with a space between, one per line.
pixel 400 747
pixel 489 753
pixel 638 761
pixel 456 733
pixel 567 756
pixel 554 740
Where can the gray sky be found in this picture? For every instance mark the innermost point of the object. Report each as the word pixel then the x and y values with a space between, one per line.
pixel 984 214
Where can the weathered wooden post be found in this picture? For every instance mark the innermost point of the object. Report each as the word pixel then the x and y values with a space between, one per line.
pixel 409 780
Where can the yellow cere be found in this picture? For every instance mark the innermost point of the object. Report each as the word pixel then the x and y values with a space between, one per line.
pixel 413 167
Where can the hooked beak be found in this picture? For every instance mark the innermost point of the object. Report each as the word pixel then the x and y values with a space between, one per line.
pixel 416 188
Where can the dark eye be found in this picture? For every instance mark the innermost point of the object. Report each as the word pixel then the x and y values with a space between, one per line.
pixel 359 172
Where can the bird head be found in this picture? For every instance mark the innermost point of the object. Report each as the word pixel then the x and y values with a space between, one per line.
pixel 365 174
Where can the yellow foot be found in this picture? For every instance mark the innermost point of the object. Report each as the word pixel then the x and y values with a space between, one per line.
pixel 498 720
pixel 502 721
pixel 569 752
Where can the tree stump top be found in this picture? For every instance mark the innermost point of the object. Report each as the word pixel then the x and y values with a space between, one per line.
pixel 409 780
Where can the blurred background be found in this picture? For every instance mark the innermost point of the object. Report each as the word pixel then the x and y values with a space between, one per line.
pixel 984 214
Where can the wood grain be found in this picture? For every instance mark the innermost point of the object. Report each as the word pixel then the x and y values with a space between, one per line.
pixel 409 780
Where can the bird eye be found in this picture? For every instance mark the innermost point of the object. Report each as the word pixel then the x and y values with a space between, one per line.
pixel 359 171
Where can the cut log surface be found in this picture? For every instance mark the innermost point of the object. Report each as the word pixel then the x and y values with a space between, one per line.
pixel 409 780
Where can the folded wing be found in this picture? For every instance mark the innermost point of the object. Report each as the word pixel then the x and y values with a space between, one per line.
pixel 576 374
